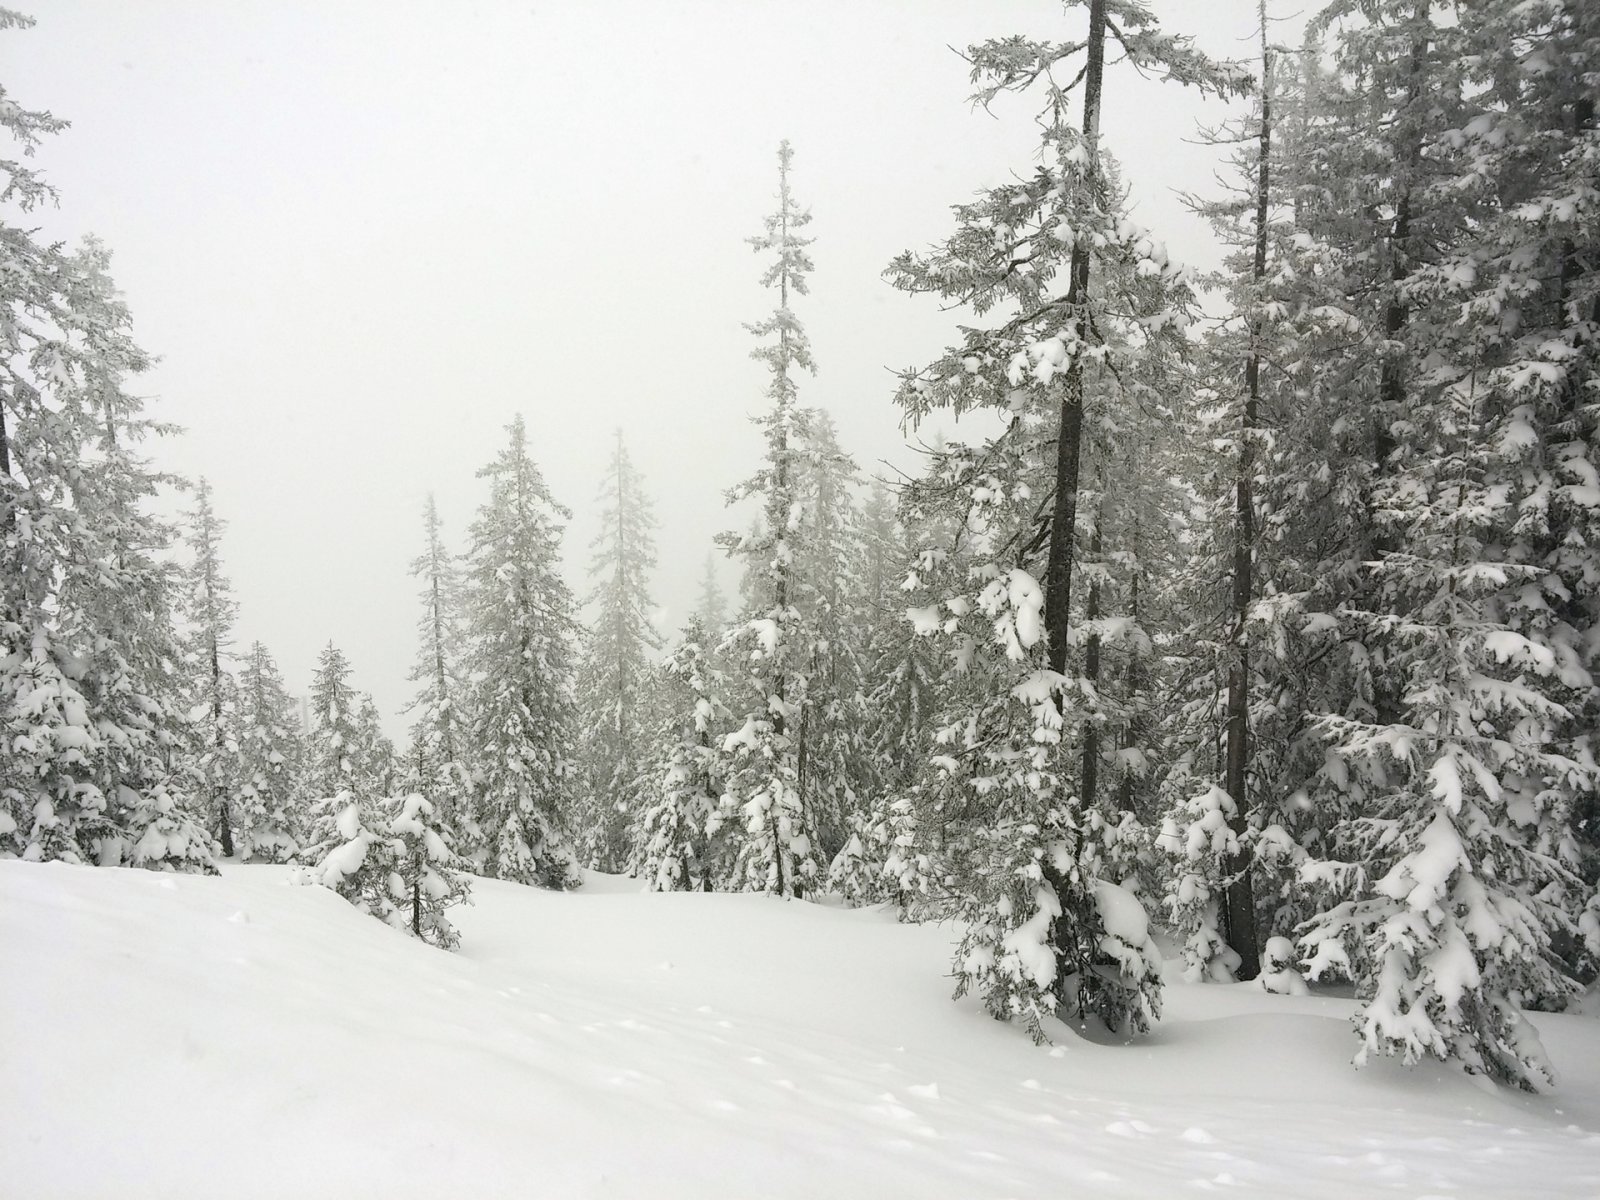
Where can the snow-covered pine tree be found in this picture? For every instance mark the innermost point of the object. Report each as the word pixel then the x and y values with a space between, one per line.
pixel 711 606
pixel 428 870
pixel 1529 293
pixel 361 861
pixel 333 777
pixel 616 666
pixel 763 783
pixel 1451 872
pixel 440 726
pixel 1213 886
pixel 88 696
pixel 521 629
pixel 678 839
pixel 1458 750
pixel 1045 933
pixel 268 814
pixel 830 752
pixel 377 765
pixel 118 606
pixel 210 610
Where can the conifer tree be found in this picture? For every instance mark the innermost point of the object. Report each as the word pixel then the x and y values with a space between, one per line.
pixel 1450 760
pixel 361 862
pixel 711 607
pixel 616 668
pixel 88 699
pixel 677 842
pixel 269 816
pixel 440 727
pixel 521 628
pixel 377 765
pixel 1214 899
pixel 334 778
pixel 763 782
pixel 1046 931
pixel 428 872
pixel 210 610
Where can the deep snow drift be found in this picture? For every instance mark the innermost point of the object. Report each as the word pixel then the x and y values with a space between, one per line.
pixel 176 1036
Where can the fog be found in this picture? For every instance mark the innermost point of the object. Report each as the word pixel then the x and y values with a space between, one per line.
pixel 361 236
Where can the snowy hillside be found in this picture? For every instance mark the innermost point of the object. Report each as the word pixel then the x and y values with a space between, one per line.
pixel 176 1036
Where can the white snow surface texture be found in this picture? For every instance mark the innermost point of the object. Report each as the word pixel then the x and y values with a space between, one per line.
pixel 180 1036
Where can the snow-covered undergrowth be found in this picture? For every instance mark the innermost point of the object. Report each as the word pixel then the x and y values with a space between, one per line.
pixel 180 1036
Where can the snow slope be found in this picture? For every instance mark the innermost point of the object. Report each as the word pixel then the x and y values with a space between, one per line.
pixel 174 1036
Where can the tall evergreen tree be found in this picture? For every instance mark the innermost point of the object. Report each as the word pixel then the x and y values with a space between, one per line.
pixel 439 730
pixel 269 814
pixel 711 606
pixel 616 668
pixel 334 778
pixel 88 695
pixel 1046 930
pixel 677 847
pixel 210 610
pixel 763 784
pixel 521 627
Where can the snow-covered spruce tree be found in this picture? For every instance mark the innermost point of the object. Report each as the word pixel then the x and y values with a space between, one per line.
pixel 763 782
pixel 268 815
pixel 616 665
pixel 333 777
pixel 898 677
pixel 1207 823
pixel 1045 934
pixel 210 610
pixel 711 606
pixel 89 700
pixel 361 861
pixel 830 752
pixel 520 629
pixel 678 839
pixel 439 730
pixel 1528 301
pixel 428 872
pixel 1456 760
pixel 377 765
pixel 1450 868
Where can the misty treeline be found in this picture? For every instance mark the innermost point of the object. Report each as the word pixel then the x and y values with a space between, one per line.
pixel 1267 624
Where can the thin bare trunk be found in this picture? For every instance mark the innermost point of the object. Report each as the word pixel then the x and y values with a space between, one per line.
pixel 1241 901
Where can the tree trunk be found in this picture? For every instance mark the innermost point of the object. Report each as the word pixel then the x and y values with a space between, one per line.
pixel 1064 511
pixel 1240 917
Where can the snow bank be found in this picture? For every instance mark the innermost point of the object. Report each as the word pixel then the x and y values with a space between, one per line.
pixel 178 1036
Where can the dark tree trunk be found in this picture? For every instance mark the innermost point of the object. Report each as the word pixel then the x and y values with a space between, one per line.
pixel 1064 512
pixel 1067 931
pixel 1240 917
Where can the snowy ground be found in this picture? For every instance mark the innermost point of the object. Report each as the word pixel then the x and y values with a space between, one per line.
pixel 237 1037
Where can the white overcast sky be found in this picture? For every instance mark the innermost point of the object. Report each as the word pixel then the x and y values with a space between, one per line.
pixel 363 234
